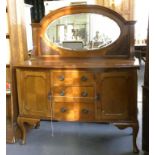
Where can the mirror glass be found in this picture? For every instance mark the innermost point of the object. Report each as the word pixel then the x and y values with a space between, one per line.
pixel 84 31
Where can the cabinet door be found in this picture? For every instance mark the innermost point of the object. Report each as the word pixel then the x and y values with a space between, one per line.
pixel 33 91
pixel 114 95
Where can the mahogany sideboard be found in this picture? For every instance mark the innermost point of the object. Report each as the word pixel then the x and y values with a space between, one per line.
pixel 90 84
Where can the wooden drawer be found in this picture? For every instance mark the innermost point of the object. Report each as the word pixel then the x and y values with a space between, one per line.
pixel 73 111
pixel 73 94
pixel 63 111
pixel 85 111
pixel 72 78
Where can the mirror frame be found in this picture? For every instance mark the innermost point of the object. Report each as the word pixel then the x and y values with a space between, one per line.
pixel 121 47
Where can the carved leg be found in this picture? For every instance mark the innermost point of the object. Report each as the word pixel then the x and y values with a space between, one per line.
pixel 23 129
pixel 135 128
pixel 22 121
pixel 37 125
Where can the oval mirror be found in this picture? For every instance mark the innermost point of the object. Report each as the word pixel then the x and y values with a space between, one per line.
pixel 83 32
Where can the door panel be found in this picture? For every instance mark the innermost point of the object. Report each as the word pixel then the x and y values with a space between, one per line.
pixel 33 96
pixel 114 90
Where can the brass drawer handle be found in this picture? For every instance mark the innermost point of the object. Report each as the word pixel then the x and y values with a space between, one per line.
pixel 62 93
pixel 84 94
pixel 84 78
pixel 61 78
pixel 63 110
pixel 85 111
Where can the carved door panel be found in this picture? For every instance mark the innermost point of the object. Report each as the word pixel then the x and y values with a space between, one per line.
pixel 114 95
pixel 34 93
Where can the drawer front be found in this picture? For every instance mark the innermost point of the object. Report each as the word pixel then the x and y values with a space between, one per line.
pixel 73 111
pixel 63 111
pixel 73 94
pixel 85 111
pixel 72 78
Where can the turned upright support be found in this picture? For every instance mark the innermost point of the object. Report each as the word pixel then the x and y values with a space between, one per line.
pixel 35 37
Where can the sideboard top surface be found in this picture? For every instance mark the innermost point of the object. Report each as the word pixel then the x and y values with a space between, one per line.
pixel 80 64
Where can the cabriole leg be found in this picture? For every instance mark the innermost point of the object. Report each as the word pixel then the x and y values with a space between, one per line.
pixel 21 123
pixel 135 128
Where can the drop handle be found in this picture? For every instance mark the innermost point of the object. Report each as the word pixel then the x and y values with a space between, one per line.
pixel 84 78
pixel 85 111
pixel 63 110
pixel 84 94
pixel 62 93
pixel 61 78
